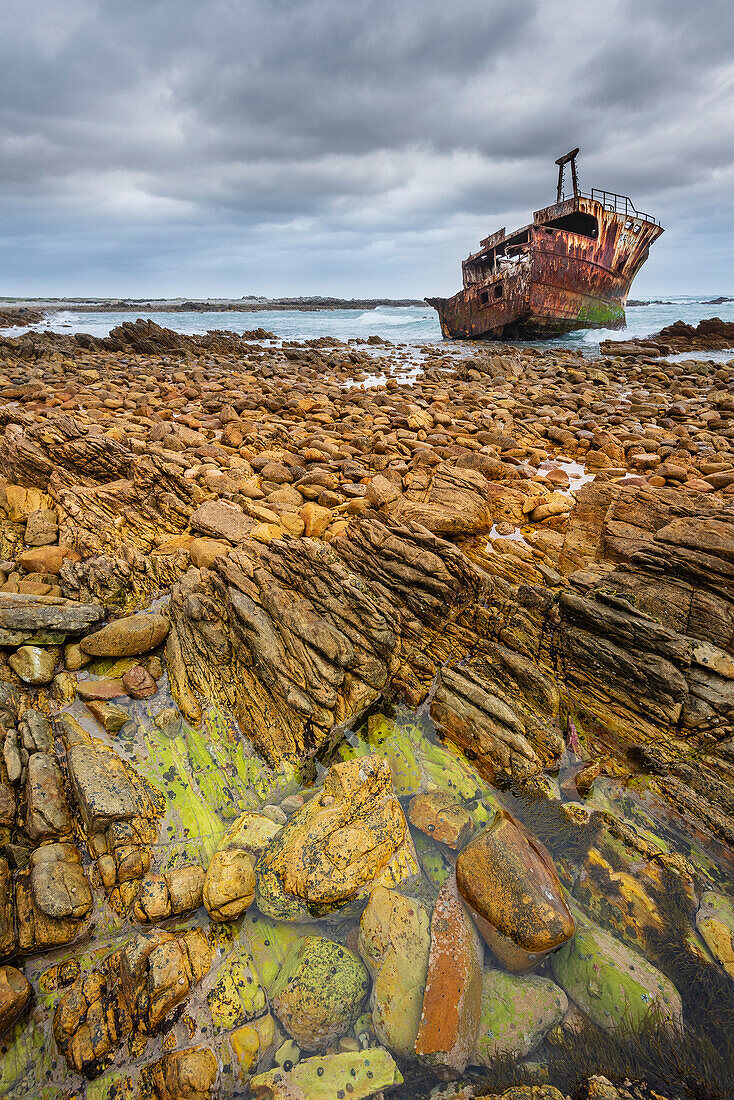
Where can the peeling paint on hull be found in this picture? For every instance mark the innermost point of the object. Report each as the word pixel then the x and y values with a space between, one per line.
pixel 571 268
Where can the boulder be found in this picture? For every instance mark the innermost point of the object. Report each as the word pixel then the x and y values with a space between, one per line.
pixel 138 683
pixel 517 1014
pixel 319 991
pixel 58 883
pixel 158 970
pixel 183 1075
pixel 346 840
pixel 453 998
pixel 35 664
pixel 47 559
pixel 22 616
pixel 440 816
pixel 237 996
pixel 221 520
pixel 613 984
pixel 356 1074
pixel 509 881
pixel 229 886
pixel 15 993
pixel 169 895
pixel 47 811
pixel 394 942
pixel 128 636
pixel 42 528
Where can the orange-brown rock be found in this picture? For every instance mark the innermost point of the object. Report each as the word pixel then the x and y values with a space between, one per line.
pixel 510 883
pixel 453 998
pixel 343 842
pixel 15 993
pixel 441 817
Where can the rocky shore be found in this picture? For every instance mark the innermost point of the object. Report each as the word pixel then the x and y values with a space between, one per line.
pixel 367 720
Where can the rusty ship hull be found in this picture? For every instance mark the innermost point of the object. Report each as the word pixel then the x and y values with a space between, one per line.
pixel 571 268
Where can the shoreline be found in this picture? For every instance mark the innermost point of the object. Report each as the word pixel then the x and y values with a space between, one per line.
pixel 288 630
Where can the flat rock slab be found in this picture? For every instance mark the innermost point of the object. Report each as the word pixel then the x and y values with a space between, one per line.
pixel 21 613
pixel 220 520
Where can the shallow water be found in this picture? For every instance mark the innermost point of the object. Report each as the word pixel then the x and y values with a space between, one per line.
pixel 404 325
pixel 209 775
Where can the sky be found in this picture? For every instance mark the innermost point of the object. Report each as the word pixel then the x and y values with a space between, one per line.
pixel 356 148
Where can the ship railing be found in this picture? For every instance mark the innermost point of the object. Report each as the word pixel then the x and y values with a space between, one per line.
pixel 620 204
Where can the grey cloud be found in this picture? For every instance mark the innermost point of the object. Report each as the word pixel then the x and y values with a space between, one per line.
pixel 294 141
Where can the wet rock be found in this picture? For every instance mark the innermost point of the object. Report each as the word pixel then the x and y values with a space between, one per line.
pixel 613 984
pixel 347 839
pixel 184 1075
pixel 441 817
pixel 15 993
pixel 7 807
pixel 100 689
pixel 509 881
pixel 127 637
pixel 13 757
pixel 110 717
pixel 36 732
pixel 35 664
pixel 37 930
pixel 138 683
pixel 92 1018
pixel 237 996
pixel 715 922
pixel 365 1073
pixel 170 894
pixel 229 887
pixel 47 811
pixel 270 941
pixel 59 885
pixel 158 969
pixel 517 1014
pixel 394 942
pixel 453 997
pixel 319 991
pixel 99 779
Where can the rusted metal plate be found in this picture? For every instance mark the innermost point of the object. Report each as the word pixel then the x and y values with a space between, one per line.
pixel 550 278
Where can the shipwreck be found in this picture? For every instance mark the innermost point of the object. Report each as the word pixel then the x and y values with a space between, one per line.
pixel 571 268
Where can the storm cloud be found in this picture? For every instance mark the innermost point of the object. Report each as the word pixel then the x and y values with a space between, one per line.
pixel 165 147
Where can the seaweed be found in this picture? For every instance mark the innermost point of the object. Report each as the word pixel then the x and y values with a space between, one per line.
pixel 685 1064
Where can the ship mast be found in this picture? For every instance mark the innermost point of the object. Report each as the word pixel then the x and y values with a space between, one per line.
pixel 562 162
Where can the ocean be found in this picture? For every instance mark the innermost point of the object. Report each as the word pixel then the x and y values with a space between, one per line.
pixel 401 325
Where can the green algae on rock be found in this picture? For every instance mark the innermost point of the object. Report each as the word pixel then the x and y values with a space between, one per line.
pixel 319 991
pixel 517 1013
pixel 269 942
pixel 394 942
pixel 237 997
pixel 364 1073
pixel 612 983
